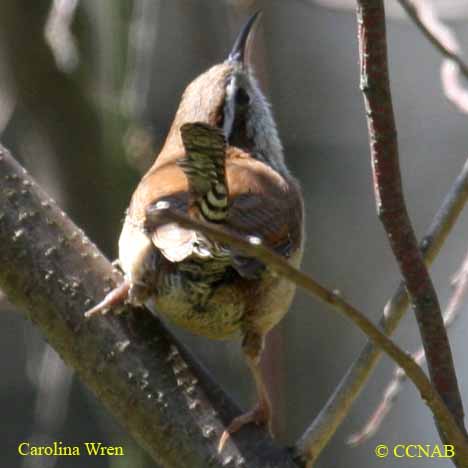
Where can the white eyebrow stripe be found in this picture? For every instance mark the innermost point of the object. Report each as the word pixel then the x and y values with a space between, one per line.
pixel 229 107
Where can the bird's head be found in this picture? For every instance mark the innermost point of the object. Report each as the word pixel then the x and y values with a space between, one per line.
pixel 228 96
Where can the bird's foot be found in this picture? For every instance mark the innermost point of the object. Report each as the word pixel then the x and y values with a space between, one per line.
pixel 115 297
pixel 117 265
pixel 260 415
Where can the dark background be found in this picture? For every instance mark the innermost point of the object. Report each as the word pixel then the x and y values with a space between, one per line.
pixel 88 138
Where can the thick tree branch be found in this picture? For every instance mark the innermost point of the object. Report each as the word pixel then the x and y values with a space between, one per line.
pixel 391 205
pixel 165 400
pixel 161 213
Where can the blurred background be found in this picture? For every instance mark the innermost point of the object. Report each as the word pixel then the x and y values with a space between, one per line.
pixel 88 90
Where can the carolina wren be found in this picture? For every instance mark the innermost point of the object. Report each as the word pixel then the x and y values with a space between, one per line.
pixel 222 162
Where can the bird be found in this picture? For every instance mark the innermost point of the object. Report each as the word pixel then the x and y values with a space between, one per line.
pixel 223 163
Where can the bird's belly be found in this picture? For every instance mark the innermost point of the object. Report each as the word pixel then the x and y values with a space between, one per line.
pixel 220 317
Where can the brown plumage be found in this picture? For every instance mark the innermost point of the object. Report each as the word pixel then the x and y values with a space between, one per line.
pixel 261 201
pixel 223 162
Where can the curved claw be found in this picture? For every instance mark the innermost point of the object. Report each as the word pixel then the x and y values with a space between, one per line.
pixel 115 297
pixel 260 414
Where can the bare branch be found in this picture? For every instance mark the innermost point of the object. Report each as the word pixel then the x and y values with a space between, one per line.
pixel 394 388
pixel 133 365
pixel 59 36
pixel 47 95
pixel 425 17
pixel 254 248
pixel 391 204
pixel 340 402
pixel 143 33
pixel 447 9
pixel 448 50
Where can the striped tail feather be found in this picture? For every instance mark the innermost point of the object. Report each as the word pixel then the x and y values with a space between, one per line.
pixel 204 166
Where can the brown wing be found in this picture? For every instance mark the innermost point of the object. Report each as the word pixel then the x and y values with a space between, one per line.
pixel 261 203
pixel 165 182
pixel 264 204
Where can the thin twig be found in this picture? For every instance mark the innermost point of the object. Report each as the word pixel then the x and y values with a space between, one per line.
pixel 252 247
pixel 142 39
pixel 393 389
pixel 453 68
pixel 339 404
pixel 59 35
pixel 144 377
pixel 446 49
pixel 45 95
pixel 424 16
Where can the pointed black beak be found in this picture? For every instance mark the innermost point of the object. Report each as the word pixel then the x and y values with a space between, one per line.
pixel 238 52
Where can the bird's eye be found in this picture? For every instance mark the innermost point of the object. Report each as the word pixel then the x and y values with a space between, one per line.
pixel 242 98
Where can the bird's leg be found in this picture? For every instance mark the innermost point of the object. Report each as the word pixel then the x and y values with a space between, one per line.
pixel 115 297
pixel 260 414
